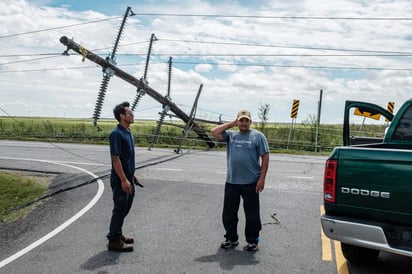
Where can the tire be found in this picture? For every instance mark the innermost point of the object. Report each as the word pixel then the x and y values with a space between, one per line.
pixel 359 255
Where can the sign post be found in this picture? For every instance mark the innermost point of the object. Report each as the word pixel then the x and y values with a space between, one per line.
pixel 318 120
pixel 293 115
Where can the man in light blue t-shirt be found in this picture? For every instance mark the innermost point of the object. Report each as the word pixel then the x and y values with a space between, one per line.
pixel 247 165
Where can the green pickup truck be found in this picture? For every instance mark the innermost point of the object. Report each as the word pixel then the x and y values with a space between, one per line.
pixel 368 188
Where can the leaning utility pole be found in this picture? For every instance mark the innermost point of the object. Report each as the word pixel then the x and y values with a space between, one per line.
pixel 140 84
pixel 189 124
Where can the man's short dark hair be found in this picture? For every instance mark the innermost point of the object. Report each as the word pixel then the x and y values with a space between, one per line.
pixel 120 109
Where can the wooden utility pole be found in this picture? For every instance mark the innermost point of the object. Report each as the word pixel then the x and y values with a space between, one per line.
pixel 140 84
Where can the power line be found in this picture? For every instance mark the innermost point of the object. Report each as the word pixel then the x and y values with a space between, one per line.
pixel 222 16
pixel 12 117
pixel 59 53
pixel 51 55
pixel 62 27
pixel 354 53
pixel 268 55
pixel 28 54
pixel 225 64
pixel 283 46
pixel 45 69
pixel 296 66
pixel 366 53
pixel 279 17
pixel 30 60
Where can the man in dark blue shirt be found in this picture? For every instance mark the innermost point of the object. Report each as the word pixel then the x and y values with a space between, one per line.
pixel 122 177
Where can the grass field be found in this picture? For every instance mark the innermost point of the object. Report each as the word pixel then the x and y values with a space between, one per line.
pixel 302 137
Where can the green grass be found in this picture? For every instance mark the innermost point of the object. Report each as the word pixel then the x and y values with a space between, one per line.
pixel 280 135
pixel 16 190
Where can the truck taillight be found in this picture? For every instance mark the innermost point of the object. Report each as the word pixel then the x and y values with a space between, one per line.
pixel 329 181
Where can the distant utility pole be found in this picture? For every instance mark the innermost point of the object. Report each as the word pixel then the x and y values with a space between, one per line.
pixel 318 120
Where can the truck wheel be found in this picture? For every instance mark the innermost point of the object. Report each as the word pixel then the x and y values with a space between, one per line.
pixel 359 255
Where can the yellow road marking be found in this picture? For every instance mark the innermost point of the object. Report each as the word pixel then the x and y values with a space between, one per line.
pixel 326 242
pixel 341 264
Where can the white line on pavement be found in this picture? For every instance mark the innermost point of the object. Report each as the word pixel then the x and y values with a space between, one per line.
pixel 168 169
pixel 300 177
pixel 56 162
pixel 65 224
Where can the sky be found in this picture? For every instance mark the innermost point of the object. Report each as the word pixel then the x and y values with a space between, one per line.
pixel 246 54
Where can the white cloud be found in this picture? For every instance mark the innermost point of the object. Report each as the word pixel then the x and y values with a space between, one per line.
pixel 234 73
pixel 203 67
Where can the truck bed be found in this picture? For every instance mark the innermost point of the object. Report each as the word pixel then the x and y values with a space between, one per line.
pixel 374 182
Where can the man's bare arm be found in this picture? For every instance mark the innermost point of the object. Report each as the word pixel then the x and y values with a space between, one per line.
pixel 217 131
pixel 263 171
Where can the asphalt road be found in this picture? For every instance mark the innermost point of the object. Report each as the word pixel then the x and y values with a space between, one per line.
pixel 175 219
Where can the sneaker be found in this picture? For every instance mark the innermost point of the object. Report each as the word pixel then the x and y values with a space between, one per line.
pixel 251 247
pixel 229 244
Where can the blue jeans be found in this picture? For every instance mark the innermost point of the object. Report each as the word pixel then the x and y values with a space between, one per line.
pixel 122 202
pixel 251 206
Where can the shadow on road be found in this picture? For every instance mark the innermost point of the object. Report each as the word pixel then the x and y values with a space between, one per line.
pixel 100 260
pixel 230 258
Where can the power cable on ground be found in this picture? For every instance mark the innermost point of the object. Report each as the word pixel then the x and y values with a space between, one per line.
pixel 48 195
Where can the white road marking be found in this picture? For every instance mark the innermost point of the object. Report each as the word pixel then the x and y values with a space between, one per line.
pixel 65 224
pixel 58 162
pixel 168 169
pixel 300 177
pixel 83 163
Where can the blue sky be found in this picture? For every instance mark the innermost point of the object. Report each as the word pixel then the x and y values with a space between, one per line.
pixel 106 7
pixel 249 53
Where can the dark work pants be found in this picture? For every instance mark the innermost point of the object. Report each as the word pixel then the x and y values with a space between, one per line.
pixel 231 203
pixel 122 202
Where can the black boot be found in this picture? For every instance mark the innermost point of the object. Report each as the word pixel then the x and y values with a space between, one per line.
pixel 119 246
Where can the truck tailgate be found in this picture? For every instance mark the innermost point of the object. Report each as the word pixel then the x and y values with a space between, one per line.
pixel 375 184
